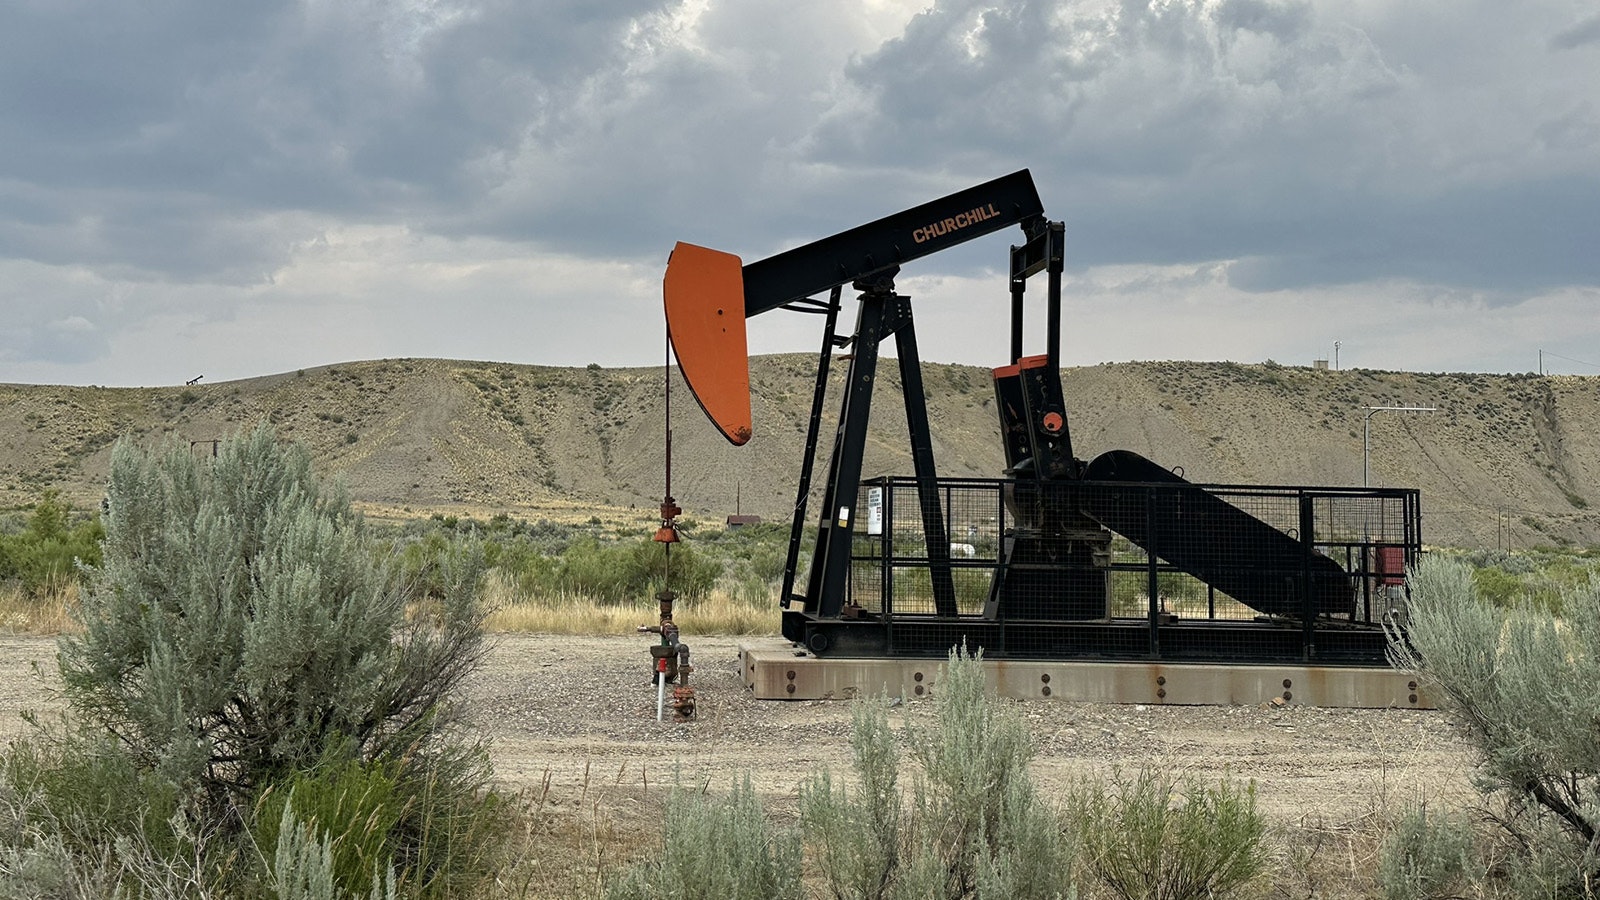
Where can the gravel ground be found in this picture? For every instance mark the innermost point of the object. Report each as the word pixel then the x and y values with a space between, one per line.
pixel 579 712
pixel 582 709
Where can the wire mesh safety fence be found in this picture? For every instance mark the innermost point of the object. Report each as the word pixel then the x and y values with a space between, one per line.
pixel 1312 563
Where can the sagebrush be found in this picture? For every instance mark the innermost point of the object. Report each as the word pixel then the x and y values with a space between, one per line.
pixel 972 824
pixel 242 644
pixel 1524 682
pixel 1156 835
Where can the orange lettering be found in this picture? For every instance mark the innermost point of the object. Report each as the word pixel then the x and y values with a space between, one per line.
pixel 955 223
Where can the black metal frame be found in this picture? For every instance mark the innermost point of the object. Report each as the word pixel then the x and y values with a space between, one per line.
pixel 863 252
pixel 1055 561
pixel 868 257
pixel 893 609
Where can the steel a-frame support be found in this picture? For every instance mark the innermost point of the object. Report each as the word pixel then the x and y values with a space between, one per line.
pixel 883 314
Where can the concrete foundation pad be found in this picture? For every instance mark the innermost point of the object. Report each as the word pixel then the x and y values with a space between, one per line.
pixel 776 670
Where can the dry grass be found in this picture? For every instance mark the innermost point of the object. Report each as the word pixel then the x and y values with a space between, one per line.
pixel 1317 858
pixel 51 613
pixel 574 836
pixel 721 613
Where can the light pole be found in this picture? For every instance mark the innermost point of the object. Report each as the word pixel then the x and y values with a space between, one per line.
pixel 1366 434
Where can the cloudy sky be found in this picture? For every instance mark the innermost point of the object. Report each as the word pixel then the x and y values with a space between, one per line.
pixel 236 189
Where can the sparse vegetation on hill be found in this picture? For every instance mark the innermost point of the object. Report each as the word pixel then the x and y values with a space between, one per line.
pixel 1510 461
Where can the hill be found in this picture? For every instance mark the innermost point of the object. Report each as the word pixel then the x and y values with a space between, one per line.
pixel 1508 460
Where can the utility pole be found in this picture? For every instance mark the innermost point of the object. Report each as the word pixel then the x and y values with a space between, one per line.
pixel 1366 435
pixel 1336 356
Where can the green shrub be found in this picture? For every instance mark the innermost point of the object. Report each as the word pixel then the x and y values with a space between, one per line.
pixel 1525 687
pixel 1425 856
pixel 768 559
pixel 35 861
pixel 430 838
pixel 91 791
pixel 451 840
pixel 716 849
pixel 243 644
pixel 856 834
pixel 621 572
pixel 534 573
pixel 1156 837
pixel 44 556
pixel 1499 586
pixel 349 807
pixel 79 820
pixel 239 625
pixel 546 560
pixel 305 867
pixel 980 808
pixel 973 826
pixel 302 862
pixel 1543 869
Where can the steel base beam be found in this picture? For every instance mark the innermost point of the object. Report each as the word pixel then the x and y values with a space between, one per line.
pixel 772 670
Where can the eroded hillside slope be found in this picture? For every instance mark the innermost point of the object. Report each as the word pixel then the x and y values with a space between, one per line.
pixel 1506 459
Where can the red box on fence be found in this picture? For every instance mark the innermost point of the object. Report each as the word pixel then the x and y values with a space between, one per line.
pixel 1391 565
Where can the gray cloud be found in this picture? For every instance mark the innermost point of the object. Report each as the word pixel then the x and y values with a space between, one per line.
pixel 1330 148
pixel 175 170
pixel 140 120
pixel 1584 32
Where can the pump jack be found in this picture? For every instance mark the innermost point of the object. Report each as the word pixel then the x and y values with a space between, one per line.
pixel 1075 555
